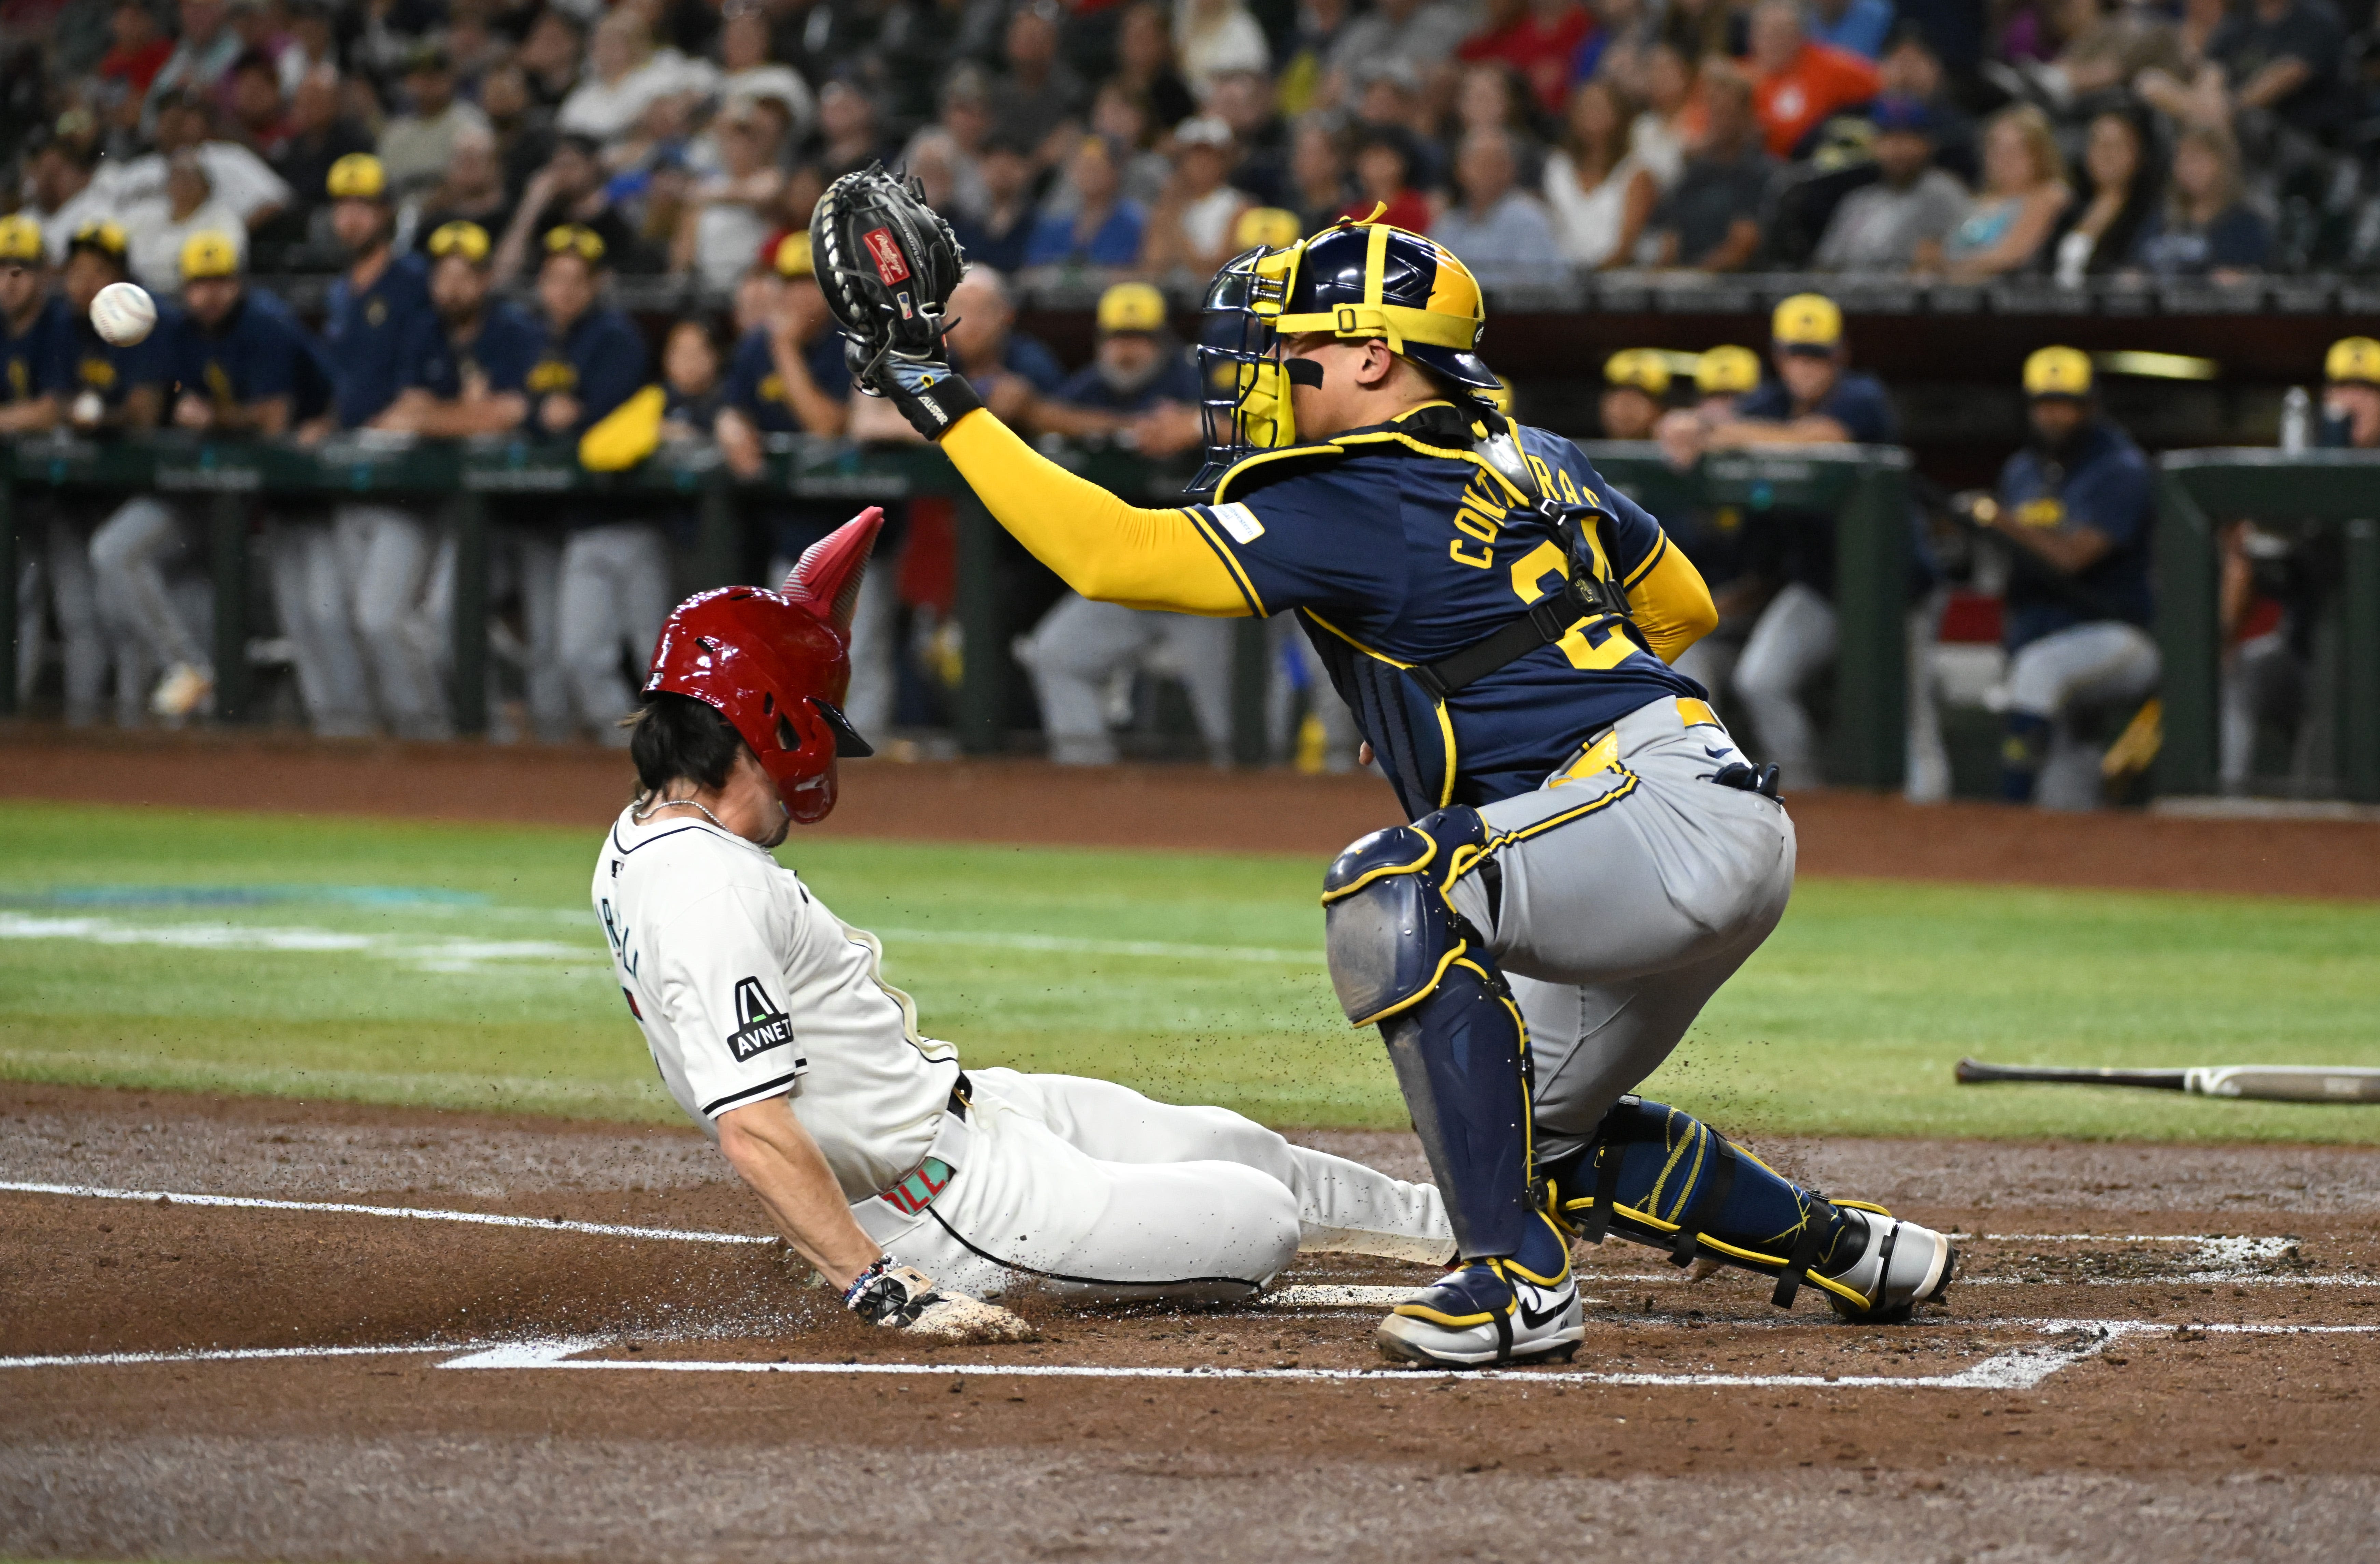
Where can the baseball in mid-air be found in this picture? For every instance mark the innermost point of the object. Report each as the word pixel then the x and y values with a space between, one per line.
pixel 123 313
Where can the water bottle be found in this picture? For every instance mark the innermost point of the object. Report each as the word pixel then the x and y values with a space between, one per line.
pixel 2297 419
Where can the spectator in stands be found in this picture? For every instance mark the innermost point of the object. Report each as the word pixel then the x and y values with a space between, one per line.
pixel 1413 36
pixel 1675 115
pixel 1635 394
pixel 1899 223
pixel 1245 101
pixel 1798 85
pixel 471 191
pixel 1191 229
pixel 202 57
pixel 1320 23
pixel 416 146
pixel 2025 190
pixel 1537 38
pixel 2077 504
pixel 258 119
pixel 1145 63
pixel 1710 219
pixel 319 136
pixel 611 584
pixel 1212 38
pixel 957 138
pixel 627 77
pixel 1141 382
pixel 137 50
pixel 2275 57
pixel 1856 27
pixel 1122 115
pixel 1911 70
pixel 1009 369
pixel 1038 100
pixel 1816 399
pixel 847 125
pixel 243 363
pixel 59 194
pixel 569 191
pixel 551 54
pixel 997 237
pixel 524 131
pixel 467 374
pixel 2107 48
pixel 2096 233
pixel 235 175
pixel 1104 230
pixel 380 555
pixel 1384 161
pixel 1600 190
pixel 1502 233
pixel 1491 95
pixel 159 226
pixel 2206 228
pixel 728 214
pixel 1318 169
pixel 746 70
pixel 693 398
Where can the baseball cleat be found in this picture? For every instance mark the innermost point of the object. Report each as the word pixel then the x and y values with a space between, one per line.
pixel 1898 1265
pixel 183 691
pixel 1486 1312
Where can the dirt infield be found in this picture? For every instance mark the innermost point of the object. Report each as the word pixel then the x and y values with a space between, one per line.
pixel 2156 1353
pixel 1842 832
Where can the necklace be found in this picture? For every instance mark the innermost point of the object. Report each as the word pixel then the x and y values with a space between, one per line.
pixel 646 812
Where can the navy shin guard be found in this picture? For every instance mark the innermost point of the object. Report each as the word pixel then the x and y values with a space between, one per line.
pixel 1460 1058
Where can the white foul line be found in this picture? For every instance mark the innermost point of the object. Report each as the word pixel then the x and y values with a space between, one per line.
pixel 219 1354
pixel 410 1213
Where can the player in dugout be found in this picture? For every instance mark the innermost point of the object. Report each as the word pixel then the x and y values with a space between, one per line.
pixel 2077 504
pixel 1635 394
pixel 1817 399
pixel 1590 855
pixel 36 378
pixel 914 1186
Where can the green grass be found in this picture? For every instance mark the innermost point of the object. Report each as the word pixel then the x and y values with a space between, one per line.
pixel 487 986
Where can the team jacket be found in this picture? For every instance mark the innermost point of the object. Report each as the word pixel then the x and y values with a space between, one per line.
pixel 1397 545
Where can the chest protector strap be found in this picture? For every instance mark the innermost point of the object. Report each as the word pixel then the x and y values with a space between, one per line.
pixel 1584 596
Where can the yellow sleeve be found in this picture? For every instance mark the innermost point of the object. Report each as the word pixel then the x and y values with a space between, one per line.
pixel 1670 603
pixel 1106 550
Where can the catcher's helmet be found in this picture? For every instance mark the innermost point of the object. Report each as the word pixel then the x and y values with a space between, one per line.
pixel 1357 281
pixel 776 664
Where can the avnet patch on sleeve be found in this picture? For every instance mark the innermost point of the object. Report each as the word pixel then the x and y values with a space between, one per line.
pixel 760 1026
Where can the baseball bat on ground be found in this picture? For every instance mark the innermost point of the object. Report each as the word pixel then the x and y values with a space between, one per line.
pixel 2264 1083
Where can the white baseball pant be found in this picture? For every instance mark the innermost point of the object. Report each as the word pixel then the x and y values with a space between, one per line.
pixel 1094 1191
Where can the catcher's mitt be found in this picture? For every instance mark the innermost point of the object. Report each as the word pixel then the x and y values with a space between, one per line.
pixel 887 263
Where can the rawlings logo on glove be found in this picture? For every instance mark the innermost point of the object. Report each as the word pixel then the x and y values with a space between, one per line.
pixel 887 263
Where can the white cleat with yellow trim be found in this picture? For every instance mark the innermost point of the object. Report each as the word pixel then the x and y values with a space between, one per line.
pixel 1489 1312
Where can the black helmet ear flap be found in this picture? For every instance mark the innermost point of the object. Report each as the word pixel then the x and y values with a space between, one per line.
pixel 848 744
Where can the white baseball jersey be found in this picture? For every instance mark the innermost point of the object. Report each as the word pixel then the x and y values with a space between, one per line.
pixel 747 988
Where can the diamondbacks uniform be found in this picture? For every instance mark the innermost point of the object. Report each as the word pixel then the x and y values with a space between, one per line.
pixel 746 987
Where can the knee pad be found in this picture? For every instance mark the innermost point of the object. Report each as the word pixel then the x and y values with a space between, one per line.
pixel 1388 931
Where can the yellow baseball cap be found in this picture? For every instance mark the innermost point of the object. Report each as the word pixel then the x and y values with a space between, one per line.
pixel 105 235
pixel 1130 307
pixel 1808 322
pixel 1268 226
pixel 2351 359
pixel 2057 372
pixel 209 255
pixel 358 177
pixel 1726 371
pixel 466 239
pixel 791 256
pixel 572 238
pixel 20 238
pixel 1640 368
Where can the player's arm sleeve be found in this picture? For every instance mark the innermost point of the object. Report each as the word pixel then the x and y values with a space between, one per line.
pixel 721 982
pixel 1107 549
pixel 1667 597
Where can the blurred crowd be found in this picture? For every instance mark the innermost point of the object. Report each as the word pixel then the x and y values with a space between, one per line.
pixel 1963 140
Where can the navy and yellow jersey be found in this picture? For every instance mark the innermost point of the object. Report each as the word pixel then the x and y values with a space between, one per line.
pixel 1176 381
pixel 113 371
pixel 599 358
pixel 755 389
pixel 1399 546
pixel 1789 545
pixel 502 352
pixel 1858 402
pixel 2103 484
pixel 39 360
pixel 367 333
pixel 257 352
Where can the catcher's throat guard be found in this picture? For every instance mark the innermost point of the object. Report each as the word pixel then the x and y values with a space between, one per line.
pixel 1356 282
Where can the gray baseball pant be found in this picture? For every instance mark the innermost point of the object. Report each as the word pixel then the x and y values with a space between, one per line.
pixel 309 589
pixel 130 554
pixel 64 565
pixel 1080 645
pixel 2099 664
pixel 613 592
pixel 1793 638
pixel 1628 897
pixel 385 556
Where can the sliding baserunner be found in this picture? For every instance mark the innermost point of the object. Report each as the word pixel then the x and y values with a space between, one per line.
pixel 1591 855
pixel 914 1185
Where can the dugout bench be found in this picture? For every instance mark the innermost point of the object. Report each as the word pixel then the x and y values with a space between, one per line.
pixel 1866 488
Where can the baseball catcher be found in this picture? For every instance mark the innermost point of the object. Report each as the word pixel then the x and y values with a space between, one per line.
pixel 883 1162
pixel 1590 855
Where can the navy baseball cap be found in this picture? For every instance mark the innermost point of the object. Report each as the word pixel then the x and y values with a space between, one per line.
pixel 1909 115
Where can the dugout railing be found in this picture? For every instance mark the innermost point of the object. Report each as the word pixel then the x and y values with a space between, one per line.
pixel 475 484
pixel 2329 499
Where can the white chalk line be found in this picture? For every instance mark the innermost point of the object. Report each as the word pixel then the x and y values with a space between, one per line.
pixel 2018 1368
pixel 2233 1252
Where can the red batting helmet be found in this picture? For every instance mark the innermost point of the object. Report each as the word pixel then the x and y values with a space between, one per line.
pixel 776 664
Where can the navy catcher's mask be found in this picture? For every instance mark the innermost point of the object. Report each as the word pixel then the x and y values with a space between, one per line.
pixel 1357 281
